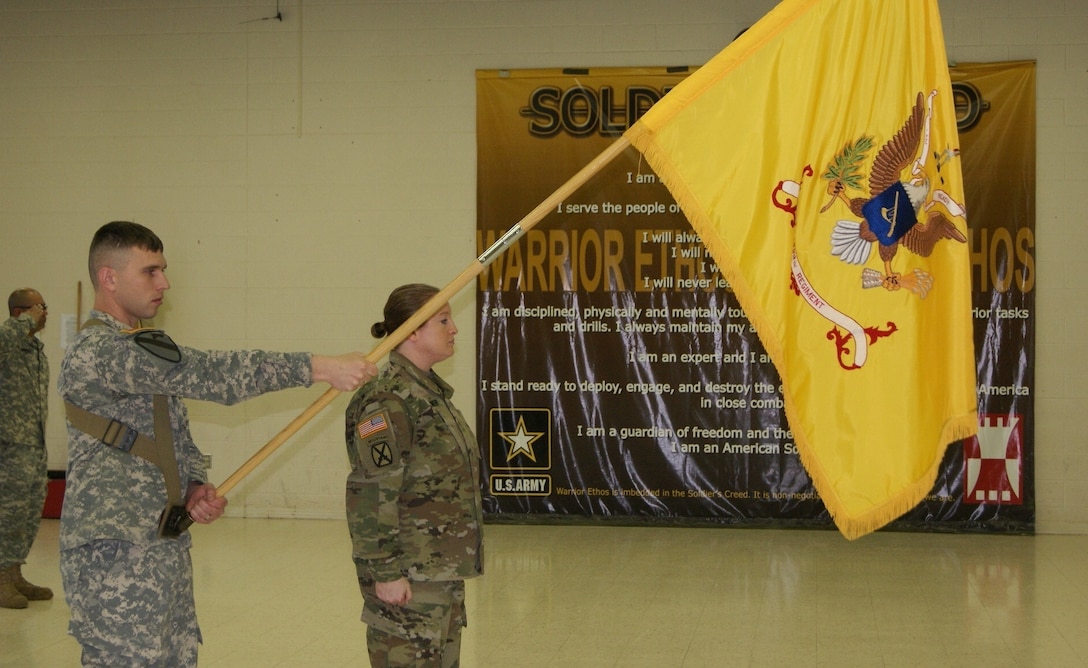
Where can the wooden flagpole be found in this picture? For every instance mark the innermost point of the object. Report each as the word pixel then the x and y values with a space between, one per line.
pixel 433 305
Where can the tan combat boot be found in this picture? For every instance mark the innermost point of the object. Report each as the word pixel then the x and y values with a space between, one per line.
pixel 30 591
pixel 9 595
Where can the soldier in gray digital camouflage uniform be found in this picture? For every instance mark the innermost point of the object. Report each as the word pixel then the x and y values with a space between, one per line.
pixel 24 406
pixel 130 588
pixel 413 495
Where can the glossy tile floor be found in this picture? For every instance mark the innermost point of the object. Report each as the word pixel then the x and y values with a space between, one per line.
pixel 282 593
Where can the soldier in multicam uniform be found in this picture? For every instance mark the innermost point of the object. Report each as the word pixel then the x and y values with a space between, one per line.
pixel 24 405
pixel 129 588
pixel 413 495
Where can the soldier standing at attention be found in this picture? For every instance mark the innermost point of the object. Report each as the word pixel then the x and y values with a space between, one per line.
pixel 413 495
pixel 24 406
pixel 127 575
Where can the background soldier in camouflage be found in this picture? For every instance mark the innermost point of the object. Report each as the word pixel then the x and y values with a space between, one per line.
pixel 24 405
pixel 413 496
pixel 129 589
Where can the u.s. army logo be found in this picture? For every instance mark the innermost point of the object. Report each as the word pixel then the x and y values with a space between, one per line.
pixel 381 454
pixel 521 439
pixel 521 457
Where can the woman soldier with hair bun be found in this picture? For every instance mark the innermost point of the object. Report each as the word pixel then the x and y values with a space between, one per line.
pixel 413 495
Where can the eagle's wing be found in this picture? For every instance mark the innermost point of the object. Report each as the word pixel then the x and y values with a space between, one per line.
pixel 921 238
pixel 898 152
pixel 847 243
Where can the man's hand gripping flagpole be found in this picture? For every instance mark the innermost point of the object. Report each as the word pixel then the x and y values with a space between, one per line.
pixel 426 311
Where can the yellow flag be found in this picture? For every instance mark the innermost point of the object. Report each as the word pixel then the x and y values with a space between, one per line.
pixel 817 157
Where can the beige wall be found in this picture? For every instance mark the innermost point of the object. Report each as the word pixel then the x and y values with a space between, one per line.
pixel 297 170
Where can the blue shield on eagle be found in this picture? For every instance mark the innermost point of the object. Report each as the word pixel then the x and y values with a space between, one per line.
pixel 890 214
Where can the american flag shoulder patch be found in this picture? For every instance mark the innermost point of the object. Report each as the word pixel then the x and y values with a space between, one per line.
pixel 372 425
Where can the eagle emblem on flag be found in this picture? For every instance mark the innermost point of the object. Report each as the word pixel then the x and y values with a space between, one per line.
pixel 899 193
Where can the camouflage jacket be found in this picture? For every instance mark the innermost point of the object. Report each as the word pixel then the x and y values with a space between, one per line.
pixel 24 383
pixel 413 495
pixel 115 373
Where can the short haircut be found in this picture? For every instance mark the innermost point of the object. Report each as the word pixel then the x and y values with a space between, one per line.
pixel 21 298
pixel 116 236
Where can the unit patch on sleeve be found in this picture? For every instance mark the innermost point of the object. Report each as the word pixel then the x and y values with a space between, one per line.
pixel 375 432
pixel 156 342
pixel 381 454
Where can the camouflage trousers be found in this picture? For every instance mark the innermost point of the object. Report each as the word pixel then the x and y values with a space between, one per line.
pixel 425 633
pixel 132 605
pixel 23 485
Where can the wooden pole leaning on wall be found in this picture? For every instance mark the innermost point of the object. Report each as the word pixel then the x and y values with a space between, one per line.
pixel 386 345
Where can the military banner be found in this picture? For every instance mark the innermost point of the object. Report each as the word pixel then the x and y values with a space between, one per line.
pixel 619 377
pixel 828 187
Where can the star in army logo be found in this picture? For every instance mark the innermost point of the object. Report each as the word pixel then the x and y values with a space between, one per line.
pixel 520 438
